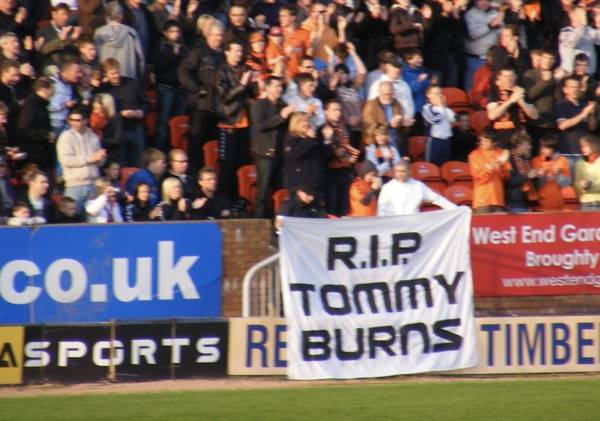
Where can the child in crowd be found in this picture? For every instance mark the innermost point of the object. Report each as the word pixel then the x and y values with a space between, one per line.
pixel 67 211
pixel 104 208
pixel 553 175
pixel 439 119
pixel 382 153
pixel 21 216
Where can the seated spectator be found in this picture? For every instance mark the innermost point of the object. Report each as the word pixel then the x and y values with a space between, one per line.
pixel 439 119
pixel 34 129
pixel 587 173
pixel 574 118
pixel 151 174
pixel 174 206
pixel 67 212
pixel 553 174
pixel 21 216
pixel 364 191
pixel 178 168
pixel 507 108
pixel 210 203
pixel 103 208
pixel 140 209
pixel 404 195
pixel 464 139
pixel 112 171
pixel 519 189
pixel 382 153
pixel 490 168
pixel 108 126
pixel 35 198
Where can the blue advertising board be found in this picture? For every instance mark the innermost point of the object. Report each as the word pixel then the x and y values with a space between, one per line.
pixel 94 273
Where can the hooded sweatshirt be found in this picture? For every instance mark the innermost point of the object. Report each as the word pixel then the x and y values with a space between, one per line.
pixel 121 42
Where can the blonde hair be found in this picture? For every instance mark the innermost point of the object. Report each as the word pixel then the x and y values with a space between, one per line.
pixel 295 120
pixel 108 104
pixel 167 185
pixel 203 23
pixel 101 183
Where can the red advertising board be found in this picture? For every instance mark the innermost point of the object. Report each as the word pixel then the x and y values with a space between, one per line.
pixel 536 254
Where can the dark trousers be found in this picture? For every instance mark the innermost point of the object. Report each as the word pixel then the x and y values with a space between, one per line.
pixel 234 151
pixel 337 189
pixel 269 177
pixel 171 102
pixel 135 143
pixel 203 127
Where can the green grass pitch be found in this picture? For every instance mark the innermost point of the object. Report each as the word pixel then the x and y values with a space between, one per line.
pixel 514 400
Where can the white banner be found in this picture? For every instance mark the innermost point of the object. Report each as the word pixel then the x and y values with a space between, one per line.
pixel 373 297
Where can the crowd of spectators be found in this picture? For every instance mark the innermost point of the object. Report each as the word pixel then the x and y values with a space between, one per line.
pixel 322 97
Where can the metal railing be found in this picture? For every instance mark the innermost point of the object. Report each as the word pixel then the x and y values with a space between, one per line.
pixel 261 289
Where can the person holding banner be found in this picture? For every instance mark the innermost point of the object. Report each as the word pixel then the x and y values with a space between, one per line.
pixel 403 195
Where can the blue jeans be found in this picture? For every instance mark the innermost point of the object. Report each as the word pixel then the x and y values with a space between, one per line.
pixel 135 142
pixel 171 102
pixel 473 63
pixel 438 151
pixel 80 194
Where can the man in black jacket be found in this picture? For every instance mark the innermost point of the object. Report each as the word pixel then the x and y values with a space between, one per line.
pixel 36 199
pixel 269 126
pixel 234 88
pixel 197 74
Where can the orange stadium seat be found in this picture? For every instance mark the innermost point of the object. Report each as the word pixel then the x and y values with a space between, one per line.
pixel 125 174
pixel 416 148
pixel 178 129
pixel 247 183
pixel 457 173
pixel 429 174
pixel 479 121
pixel 459 195
pixel 211 154
pixel 279 198
pixel 456 99
pixel 570 197
pixel 150 123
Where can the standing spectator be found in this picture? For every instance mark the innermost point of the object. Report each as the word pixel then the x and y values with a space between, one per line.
pixel 137 16
pixel 577 38
pixel 403 195
pixel 164 10
pixel 589 83
pixel 321 34
pixel 464 139
pixel 80 156
pixel 7 196
pixel 256 60
pixel 385 110
pixel 304 156
pixel 10 47
pixel 483 23
pixel 275 53
pixel 574 118
pixel 402 92
pixel 382 153
pixel 178 168
pixel 383 59
pixel 104 207
pixel 553 174
pixel 12 18
pixel 305 100
pixel 296 41
pixel 131 104
pixel 197 74
pixel 439 118
pixel 65 96
pixel 364 191
pixel 408 25
pixel 269 126
pixel 171 97
pixel 120 42
pixel 587 173
pixel 57 39
pixel 108 126
pixel 234 88
pixel 34 130
pixel 340 166
pixel 35 197
pixel 238 28
pixel 266 12
pixel 10 96
pixel 371 28
pixel 303 203
pixel 507 108
pixel 519 190
pixel 210 203
pixel 490 168
pixel 417 78
pixel 154 167
pixel 174 206
pixel 140 209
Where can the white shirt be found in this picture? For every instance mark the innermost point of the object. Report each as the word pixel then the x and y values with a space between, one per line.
pixel 440 119
pixel 318 118
pixel 402 94
pixel 98 210
pixel 397 198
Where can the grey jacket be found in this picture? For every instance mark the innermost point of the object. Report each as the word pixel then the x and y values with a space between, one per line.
pixel 121 42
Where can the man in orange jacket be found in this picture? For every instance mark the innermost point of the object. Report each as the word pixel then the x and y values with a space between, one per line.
pixel 490 167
